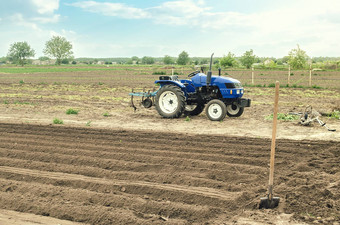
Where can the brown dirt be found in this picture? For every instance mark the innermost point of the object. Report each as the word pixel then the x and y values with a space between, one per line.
pixel 135 167
pixel 102 176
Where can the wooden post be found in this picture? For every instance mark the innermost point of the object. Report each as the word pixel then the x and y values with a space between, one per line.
pixel 273 145
pixel 172 71
pixel 310 75
pixel 252 75
pixel 288 75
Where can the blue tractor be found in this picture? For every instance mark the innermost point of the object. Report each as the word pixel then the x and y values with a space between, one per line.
pixel 220 96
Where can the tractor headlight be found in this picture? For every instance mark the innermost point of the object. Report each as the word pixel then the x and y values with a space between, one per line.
pixel 238 92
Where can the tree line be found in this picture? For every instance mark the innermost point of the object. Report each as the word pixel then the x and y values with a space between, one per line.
pixel 57 47
pixel 61 49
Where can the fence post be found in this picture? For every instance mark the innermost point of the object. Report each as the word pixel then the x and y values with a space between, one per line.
pixel 172 71
pixel 288 75
pixel 252 75
pixel 310 75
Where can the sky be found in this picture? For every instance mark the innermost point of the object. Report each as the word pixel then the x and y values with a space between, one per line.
pixel 126 28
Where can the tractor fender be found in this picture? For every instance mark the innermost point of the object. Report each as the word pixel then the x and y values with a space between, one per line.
pixel 172 82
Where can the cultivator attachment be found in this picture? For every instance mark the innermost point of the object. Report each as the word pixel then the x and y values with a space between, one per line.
pixel 148 98
pixel 309 116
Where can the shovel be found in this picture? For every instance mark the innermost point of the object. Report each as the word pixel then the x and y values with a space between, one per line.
pixel 270 201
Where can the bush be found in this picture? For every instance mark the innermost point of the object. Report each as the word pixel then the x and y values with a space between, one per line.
pixel 71 111
pixel 58 121
pixel 316 87
pixel 159 73
pixel 283 117
pixel 335 115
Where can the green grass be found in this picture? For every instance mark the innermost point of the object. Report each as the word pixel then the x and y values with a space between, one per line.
pixel 71 111
pixel 187 119
pixel 88 124
pixel 58 121
pixel 283 117
pixel 22 103
pixel 53 69
pixel 159 73
pixel 106 114
pixel 335 115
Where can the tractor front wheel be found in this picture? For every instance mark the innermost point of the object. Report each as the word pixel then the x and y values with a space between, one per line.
pixel 234 110
pixel 170 101
pixel 216 110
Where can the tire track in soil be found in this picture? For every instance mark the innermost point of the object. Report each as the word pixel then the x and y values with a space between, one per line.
pixel 144 175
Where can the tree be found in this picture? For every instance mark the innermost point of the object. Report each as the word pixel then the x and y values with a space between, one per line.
pixel 183 58
pixel 43 58
pixel 148 60
pixel 204 61
pixel 168 60
pixel 59 48
pixel 248 58
pixel 228 61
pixel 297 58
pixel 135 58
pixel 3 59
pixel 19 52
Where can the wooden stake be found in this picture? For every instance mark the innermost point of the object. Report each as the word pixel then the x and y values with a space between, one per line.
pixel 272 151
pixel 252 75
pixel 310 75
pixel 289 75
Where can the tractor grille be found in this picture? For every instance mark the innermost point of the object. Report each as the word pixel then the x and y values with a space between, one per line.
pixel 233 85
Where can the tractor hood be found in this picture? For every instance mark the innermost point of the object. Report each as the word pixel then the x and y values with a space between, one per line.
pixel 218 79
pixel 200 79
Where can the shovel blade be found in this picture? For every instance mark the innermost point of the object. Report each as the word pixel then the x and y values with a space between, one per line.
pixel 266 203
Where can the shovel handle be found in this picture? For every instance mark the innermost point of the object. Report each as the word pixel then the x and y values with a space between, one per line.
pixel 272 151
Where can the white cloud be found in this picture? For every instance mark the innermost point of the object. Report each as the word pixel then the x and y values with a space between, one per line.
pixel 273 31
pixel 46 6
pixel 19 20
pixel 51 19
pixel 112 9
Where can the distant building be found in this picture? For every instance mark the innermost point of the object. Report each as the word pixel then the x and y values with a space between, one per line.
pixel 45 62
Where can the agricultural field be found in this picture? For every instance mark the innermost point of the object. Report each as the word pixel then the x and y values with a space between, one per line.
pixel 73 149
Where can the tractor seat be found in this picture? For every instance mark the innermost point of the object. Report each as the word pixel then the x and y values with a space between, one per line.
pixel 173 77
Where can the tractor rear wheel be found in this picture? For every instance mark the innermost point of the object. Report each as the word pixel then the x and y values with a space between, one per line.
pixel 193 110
pixel 216 110
pixel 170 101
pixel 234 110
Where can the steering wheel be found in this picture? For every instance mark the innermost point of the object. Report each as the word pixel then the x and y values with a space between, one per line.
pixel 193 73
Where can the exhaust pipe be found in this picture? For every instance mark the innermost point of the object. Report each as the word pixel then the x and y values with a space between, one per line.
pixel 209 72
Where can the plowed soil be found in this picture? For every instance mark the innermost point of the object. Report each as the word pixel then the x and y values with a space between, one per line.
pixel 109 164
pixel 107 176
